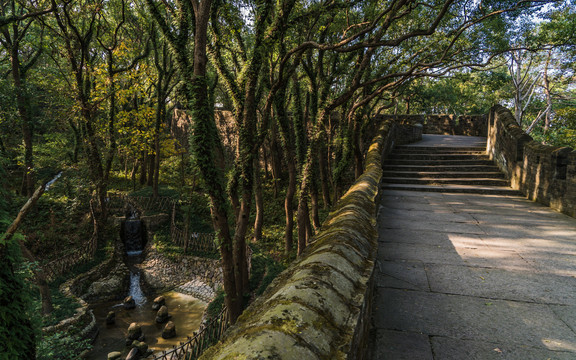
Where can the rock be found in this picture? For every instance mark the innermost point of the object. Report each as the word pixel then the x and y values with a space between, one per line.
pixel 169 330
pixel 108 284
pixel 111 318
pixel 141 346
pixel 115 355
pixel 158 302
pixel 133 354
pixel 134 333
pixel 106 288
pixel 162 315
pixel 129 303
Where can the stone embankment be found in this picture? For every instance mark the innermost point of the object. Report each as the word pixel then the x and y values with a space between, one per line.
pixel 319 308
pixel 546 174
pixel 191 275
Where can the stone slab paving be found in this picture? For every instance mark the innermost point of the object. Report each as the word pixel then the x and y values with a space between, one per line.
pixel 462 276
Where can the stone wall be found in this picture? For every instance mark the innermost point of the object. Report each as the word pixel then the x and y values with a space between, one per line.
pixel 164 274
pixel 319 308
pixel 543 173
pixel 470 125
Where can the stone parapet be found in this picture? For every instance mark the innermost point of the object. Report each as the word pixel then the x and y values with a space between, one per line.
pixel 546 174
pixel 319 308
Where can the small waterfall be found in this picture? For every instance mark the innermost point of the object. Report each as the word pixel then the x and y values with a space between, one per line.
pixel 49 183
pixel 135 289
pixel 133 237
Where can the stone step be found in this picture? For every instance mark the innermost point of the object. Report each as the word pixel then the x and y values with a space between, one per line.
pixel 432 149
pixel 438 162
pixel 436 157
pixel 439 151
pixel 442 181
pixel 443 174
pixel 486 190
pixel 442 168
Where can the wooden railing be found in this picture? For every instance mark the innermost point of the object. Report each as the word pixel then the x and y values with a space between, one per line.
pixel 118 201
pixel 193 241
pixel 66 262
pixel 205 337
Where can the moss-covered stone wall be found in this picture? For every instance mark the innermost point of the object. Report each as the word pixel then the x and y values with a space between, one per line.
pixel 319 308
pixel 546 174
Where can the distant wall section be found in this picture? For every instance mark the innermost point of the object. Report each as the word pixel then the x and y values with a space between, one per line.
pixel 470 125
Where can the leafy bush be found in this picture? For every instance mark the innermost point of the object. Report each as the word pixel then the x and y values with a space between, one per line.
pixel 61 346
pixel 64 307
pixel 264 270
pixel 216 305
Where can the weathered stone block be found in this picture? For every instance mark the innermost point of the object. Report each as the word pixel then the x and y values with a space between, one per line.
pixel 264 345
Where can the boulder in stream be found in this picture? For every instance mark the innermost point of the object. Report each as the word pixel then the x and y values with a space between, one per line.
pixel 111 318
pixel 162 316
pixel 115 355
pixel 134 354
pixel 158 302
pixel 141 346
pixel 129 303
pixel 134 333
pixel 169 330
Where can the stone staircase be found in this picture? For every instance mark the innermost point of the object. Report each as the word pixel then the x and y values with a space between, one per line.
pixel 444 169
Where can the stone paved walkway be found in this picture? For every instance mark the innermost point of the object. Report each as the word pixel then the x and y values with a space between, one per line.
pixel 463 277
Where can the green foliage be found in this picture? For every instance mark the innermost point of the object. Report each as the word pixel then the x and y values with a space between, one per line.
pixel 216 305
pixel 562 131
pixel 61 346
pixel 165 246
pixel 17 336
pixel 64 307
pixel 264 270
pixel 458 94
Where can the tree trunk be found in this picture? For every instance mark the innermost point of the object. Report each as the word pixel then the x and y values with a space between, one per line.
pixel 258 201
pixel 275 160
pixel 289 203
pixel 134 172
pixel 314 203
pixel 324 174
pixel 357 152
pixel 23 106
pixel 151 169
pixel 144 168
pixel 303 221
pixel 547 119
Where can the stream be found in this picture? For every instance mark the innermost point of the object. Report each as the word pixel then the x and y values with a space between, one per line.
pixel 186 314
pixel 186 310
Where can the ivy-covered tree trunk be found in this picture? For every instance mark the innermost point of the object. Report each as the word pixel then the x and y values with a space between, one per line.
pixel 165 73
pixel 12 36
pixel 258 201
pixel 288 145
